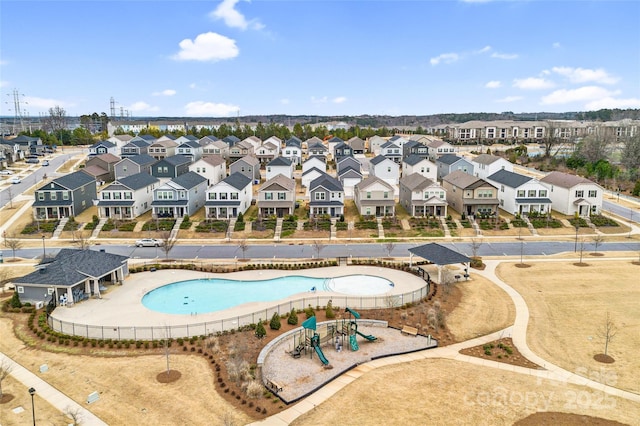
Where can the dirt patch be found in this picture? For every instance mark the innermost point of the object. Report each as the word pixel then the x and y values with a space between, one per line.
pixel 501 350
pixel 596 254
pixel 522 265
pixel 581 264
pixel 606 359
pixel 168 377
pixel 6 397
pixel 565 419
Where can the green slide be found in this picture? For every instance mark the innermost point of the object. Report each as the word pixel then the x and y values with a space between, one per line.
pixel 369 337
pixel 315 342
pixel 353 342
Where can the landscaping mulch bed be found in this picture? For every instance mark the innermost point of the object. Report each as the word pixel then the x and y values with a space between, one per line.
pixel 501 350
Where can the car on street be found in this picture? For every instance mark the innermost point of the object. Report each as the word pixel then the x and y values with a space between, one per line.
pixel 148 242
pixel 15 179
pixel 32 160
pixel 45 163
pixel 5 172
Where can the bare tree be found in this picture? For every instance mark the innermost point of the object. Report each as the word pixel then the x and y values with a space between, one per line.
pixel 447 281
pixel 608 332
pixel 81 241
pixel 243 245
pixel 593 148
pixel 597 240
pixel 10 194
pixel 475 246
pixel 12 242
pixel 581 248
pixel 57 119
pixel 166 345
pixel 75 414
pixel 553 141
pixel 5 370
pixel 389 247
pixel 318 246
pixel 167 243
pixel 631 152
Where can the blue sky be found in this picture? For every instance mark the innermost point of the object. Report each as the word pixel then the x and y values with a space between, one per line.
pixel 218 58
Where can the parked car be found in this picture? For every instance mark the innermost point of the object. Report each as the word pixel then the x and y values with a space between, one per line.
pixel 45 163
pixel 15 179
pixel 148 242
pixel 5 172
pixel 32 160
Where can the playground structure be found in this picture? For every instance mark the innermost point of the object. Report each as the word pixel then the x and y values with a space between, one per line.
pixel 350 328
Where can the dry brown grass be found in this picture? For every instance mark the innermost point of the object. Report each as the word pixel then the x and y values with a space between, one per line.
pixel 45 412
pixel 452 392
pixel 7 212
pixel 568 306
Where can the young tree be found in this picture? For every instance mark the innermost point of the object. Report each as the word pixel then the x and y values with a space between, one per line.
pixel 12 242
pixel 243 245
pixel 260 330
pixel 5 370
pixel 81 241
pixel 475 246
pixel 389 248
pixel 318 246
pixel 74 414
pixel 581 248
pixel 293 317
pixel 608 331
pixel 597 240
pixel 275 324
pixel 167 243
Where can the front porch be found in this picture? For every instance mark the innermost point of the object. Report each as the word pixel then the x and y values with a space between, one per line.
pixel 52 212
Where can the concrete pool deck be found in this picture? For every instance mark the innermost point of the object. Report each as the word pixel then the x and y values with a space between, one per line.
pixel 121 306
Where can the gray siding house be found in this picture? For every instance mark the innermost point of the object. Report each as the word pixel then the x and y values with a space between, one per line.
pixel 133 165
pixel 449 163
pixel 65 196
pixel 326 196
pixel 248 166
pixel 180 196
pixel 171 167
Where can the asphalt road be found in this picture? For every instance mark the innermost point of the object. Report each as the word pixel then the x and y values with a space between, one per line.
pixel 622 211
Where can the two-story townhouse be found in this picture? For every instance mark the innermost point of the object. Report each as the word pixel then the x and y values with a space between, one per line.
pixel 254 141
pixel 206 140
pixel 293 150
pixel 356 144
pixel 415 148
pixel 277 197
pixel 136 146
pixel 186 138
pixel 470 195
pixel 103 147
pixel 416 164
pixel 398 140
pixel 332 143
pixel 120 141
pixel 438 148
pixel 11 151
pixel 267 152
pixel 231 140
pixel 212 167
pixel 66 196
pixel 317 162
pixel 391 151
pixel 385 168
pixel 449 163
pixel 133 165
pixel 316 149
pixel 105 162
pixel 309 176
pixel 30 145
pixel 571 194
pixel 171 167
pixel 520 194
pixel 239 150
pixel 422 196
pixel 190 149
pixel 341 151
pixel 274 140
pixel 374 197
pixel 279 166
pixel 216 147
pixel 326 197
pixel 183 195
pixel 375 144
pixel 229 197
pixel 161 149
pixel 248 166
pixel 484 165
pixel 128 197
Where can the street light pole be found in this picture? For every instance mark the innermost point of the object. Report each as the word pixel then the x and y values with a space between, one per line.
pixel 32 392
pixel 575 246
pixel 44 250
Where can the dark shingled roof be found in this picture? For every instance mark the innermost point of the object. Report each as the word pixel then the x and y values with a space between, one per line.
pixel 189 180
pixel 139 180
pixel 328 182
pixel 440 255
pixel 142 159
pixel 413 159
pixel 379 159
pixel 510 179
pixel 237 180
pixel 449 159
pixel 279 161
pixel 74 180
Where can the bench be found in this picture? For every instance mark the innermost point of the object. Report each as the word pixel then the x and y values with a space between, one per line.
pixel 273 386
pixel 93 397
pixel 409 330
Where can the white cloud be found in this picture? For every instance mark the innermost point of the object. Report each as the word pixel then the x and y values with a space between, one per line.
pixel 201 108
pixel 582 94
pixel 493 84
pixel 556 45
pixel 166 92
pixel 4 83
pixel 44 103
pixel 585 75
pixel 339 100
pixel 483 50
pixel 322 100
pixel 284 101
pixel 227 12
pixel 207 47
pixel 510 99
pixel 504 55
pixel 609 102
pixel 532 83
pixel 141 106
pixel 447 58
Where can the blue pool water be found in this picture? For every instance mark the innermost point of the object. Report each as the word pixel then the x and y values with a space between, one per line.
pixel 209 295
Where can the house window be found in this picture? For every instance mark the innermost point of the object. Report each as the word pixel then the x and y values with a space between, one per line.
pixel 124 169
pixel 234 195
pixel 579 194
pixel 117 196
pixel 41 196
pixel 386 194
pixel 268 195
pixel 20 289
pixel 531 193
pixel 204 170
pixel 282 195
pixel 368 194
pixel 182 194
pixel 520 193
pixel 159 169
pixel 542 193
pixel 128 196
pixel 320 196
pixel 268 169
pixel 213 196
pixel 223 195
pixel 501 188
pixel 53 196
pixel 165 169
pixel 106 195
pixel 388 169
pixel 593 194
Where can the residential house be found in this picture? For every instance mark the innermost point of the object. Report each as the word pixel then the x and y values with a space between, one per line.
pixel 162 148
pixel 136 146
pixel 229 197
pixel 317 149
pixel 415 148
pixel 571 194
pixel 231 140
pixel 190 149
pixel 128 197
pixel 326 197
pixel 106 162
pixel 356 144
pixel 171 167
pixel 103 147
pixel 183 195
pixel 120 140
pixel 309 176
pixel 349 176
pixel 484 165
pixel 212 167
pixel 449 163
pixel 240 149
pixel 341 150
pixel 374 197
pixel 279 166
pixel 206 140
pixel 332 143
pixel 254 141
pixel 293 150
pixel 520 194
pixel 186 138
pixel 277 197
pixel 216 147
pixel 314 162
pixel 391 151
pixel 274 140
pixel 375 144
pixel 350 162
pixel 11 151
pixel 267 152
pixel 416 164
pixel 385 168
pixel 421 196
pixel 128 166
pixel 438 148
pixel 66 196
pixel 398 140
pixel 30 145
pixel 470 195
pixel 71 277
pixel 248 166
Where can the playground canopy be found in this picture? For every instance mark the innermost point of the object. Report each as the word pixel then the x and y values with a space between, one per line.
pixel 439 255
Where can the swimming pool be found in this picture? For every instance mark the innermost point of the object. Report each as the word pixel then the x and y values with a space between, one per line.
pixel 209 295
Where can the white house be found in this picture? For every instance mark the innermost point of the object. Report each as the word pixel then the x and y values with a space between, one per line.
pixel 314 162
pixel 385 169
pixel 267 152
pixel 375 144
pixel 292 151
pixel 485 165
pixel 416 164
pixel 392 151
pixel 229 197
pixel 212 167
pixel 103 147
pixel 309 176
pixel 127 198
pixel 190 149
pixel 217 147
pixel 279 166
pixel 520 194
pixel 438 148
pixel 571 194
